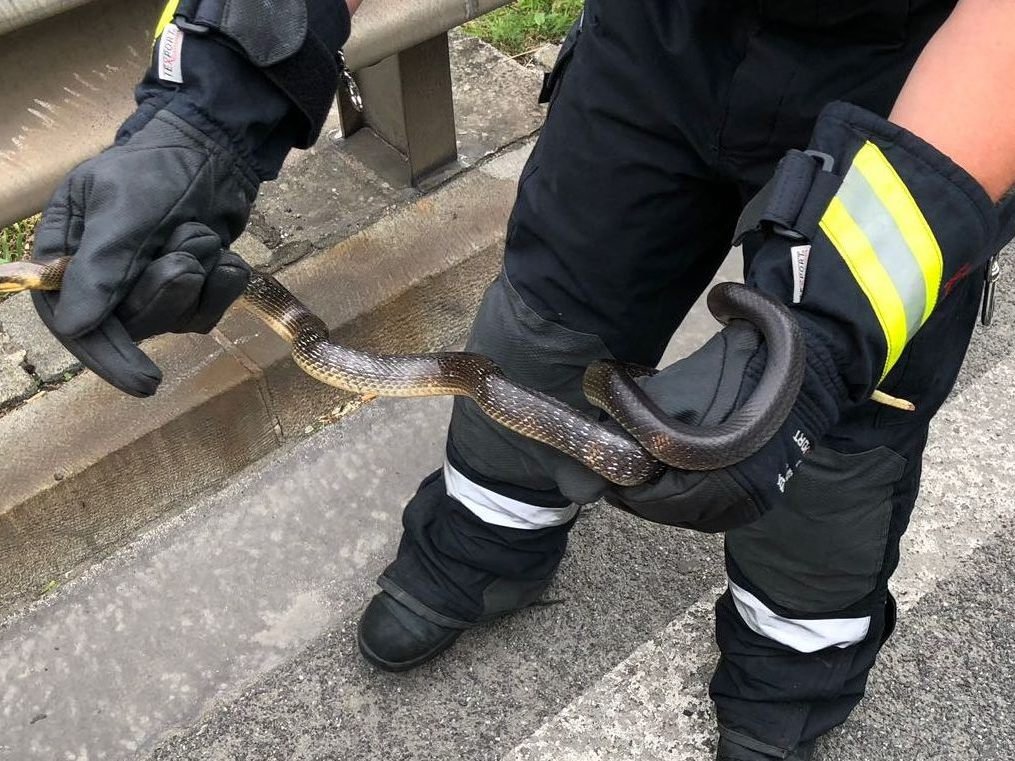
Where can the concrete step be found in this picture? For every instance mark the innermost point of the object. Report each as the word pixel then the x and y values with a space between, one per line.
pixel 228 633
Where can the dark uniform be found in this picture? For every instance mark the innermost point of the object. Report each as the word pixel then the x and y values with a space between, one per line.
pixel 665 118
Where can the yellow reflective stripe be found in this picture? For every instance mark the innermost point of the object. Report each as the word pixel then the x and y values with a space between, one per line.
pixel 899 202
pixel 167 15
pixel 856 250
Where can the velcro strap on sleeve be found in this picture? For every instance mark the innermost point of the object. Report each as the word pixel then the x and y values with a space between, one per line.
pixel 310 79
pixel 791 203
pixel 267 32
pixel 294 42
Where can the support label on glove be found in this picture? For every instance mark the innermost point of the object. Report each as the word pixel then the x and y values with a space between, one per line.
pixel 783 479
pixel 170 63
pixel 801 440
pixel 799 255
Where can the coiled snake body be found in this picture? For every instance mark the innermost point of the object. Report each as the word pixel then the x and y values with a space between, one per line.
pixel 652 439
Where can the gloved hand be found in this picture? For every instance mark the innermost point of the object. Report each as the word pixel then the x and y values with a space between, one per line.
pixel 149 221
pixel 125 218
pixel 864 236
pixel 704 389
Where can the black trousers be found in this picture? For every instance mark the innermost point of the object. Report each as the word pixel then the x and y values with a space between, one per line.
pixel 665 118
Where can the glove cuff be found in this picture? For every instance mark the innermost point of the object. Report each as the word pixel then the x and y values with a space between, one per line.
pixel 958 210
pixel 256 82
pixel 877 227
pixel 295 44
pixel 795 201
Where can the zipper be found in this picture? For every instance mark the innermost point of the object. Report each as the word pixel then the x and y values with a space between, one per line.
pixel 990 290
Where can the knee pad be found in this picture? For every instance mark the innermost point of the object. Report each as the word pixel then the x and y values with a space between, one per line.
pixel 533 352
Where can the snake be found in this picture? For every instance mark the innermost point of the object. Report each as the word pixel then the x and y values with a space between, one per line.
pixel 633 445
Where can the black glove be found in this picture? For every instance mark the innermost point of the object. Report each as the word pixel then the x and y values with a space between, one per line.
pixel 125 216
pixel 864 237
pixel 148 222
pixel 704 389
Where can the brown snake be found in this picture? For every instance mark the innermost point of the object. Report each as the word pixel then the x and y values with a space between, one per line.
pixel 653 439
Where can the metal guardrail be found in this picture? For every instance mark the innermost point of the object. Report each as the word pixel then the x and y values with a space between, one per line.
pixel 67 70
pixel 15 14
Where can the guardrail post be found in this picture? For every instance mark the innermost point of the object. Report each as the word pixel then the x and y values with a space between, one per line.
pixel 407 100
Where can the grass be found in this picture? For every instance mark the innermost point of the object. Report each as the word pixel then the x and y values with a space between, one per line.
pixel 16 240
pixel 526 24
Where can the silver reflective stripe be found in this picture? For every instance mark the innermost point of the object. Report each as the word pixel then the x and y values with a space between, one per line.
pixel 881 229
pixel 491 507
pixel 803 635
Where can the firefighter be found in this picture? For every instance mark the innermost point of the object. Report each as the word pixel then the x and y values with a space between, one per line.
pixel 859 151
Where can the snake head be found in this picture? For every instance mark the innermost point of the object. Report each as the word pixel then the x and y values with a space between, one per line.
pixel 11 280
pixel 31 276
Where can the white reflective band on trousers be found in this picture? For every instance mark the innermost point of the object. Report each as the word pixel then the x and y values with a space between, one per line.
pixel 491 507
pixel 803 635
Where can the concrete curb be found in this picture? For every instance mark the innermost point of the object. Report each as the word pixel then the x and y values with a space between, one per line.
pixel 86 467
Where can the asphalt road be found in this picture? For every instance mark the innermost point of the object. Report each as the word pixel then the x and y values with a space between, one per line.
pixel 227 632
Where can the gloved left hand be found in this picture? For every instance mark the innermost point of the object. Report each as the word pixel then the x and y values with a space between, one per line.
pixel 705 388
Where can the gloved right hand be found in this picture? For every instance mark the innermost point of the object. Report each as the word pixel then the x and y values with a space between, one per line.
pixel 149 221
pixel 865 236
pixel 704 389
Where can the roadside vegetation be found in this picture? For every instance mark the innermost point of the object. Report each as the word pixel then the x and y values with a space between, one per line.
pixel 523 26
pixel 16 240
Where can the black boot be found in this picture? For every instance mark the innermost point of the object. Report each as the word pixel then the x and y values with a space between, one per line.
pixel 453 572
pixel 393 638
pixel 730 751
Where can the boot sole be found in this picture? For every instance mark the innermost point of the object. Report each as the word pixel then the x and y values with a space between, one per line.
pixel 396 667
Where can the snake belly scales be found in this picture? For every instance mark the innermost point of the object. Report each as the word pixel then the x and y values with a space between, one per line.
pixel 649 440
